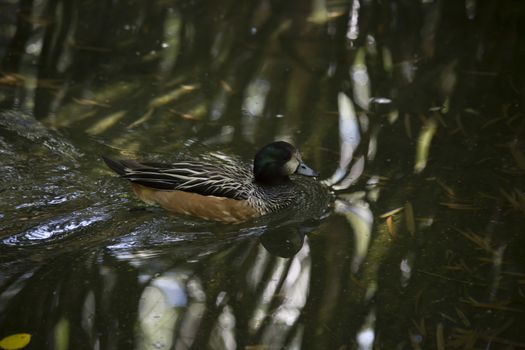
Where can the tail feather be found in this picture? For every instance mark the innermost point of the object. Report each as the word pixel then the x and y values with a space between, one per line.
pixel 160 185
pixel 115 165
pixel 139 173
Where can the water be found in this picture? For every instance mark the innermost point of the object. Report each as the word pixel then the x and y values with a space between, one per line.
pixel 412 113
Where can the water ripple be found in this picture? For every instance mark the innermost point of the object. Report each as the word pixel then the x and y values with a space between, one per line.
pixel 56 228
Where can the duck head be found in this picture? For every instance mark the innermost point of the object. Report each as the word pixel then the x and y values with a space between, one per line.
pixel 275 162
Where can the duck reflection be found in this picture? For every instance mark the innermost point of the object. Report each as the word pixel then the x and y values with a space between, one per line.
pixel 246 292
pixel 284 242
pixel 286 239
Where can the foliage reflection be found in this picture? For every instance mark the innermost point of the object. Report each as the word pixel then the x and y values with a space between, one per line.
pixel 412 111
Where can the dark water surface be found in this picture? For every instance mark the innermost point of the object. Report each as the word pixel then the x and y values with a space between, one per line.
pixel 412 112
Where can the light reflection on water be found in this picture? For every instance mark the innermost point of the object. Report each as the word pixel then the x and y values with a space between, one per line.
pixel 418 135
pixel 55 229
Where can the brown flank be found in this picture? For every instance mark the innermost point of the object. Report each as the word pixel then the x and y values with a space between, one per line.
pixel 206 207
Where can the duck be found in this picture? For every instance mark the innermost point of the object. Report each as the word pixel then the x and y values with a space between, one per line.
pixel 218 187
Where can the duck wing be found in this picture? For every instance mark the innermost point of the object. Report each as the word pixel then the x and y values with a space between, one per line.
pixel 228 179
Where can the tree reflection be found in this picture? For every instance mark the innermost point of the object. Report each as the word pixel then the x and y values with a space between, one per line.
pixel 412 111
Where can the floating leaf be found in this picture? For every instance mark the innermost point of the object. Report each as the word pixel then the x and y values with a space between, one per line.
pixel 519 157
pixel 390 226
pixel 388 62
pixel 62 334
pixel 15 341
pixel 408 126
pixel 106 123
pixel 440 339
pixel 458 206
pixel 226 86
pixel 448 190
pixel 463 317
pixel 88 102
pixel 142 119
pixel 392 116
pixel 423 144
pixel 391 213
pixel 172 96
pixel 409 216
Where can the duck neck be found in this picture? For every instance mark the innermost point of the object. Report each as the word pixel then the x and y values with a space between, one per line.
pixel 264 180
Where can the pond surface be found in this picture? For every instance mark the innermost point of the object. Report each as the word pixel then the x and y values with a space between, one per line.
pixel 412 112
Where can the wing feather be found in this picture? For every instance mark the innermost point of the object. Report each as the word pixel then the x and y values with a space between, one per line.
pixel 229 179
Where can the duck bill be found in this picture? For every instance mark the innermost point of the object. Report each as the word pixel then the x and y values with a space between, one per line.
pixel 305 170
